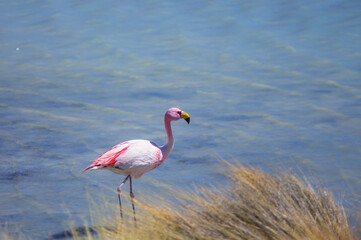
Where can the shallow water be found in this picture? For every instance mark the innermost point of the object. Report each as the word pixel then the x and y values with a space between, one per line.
pixel 266 83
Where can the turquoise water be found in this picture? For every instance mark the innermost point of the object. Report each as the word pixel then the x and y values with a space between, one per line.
pixel 270 83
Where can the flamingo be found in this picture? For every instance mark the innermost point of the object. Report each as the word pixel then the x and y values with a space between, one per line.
pixel 136 157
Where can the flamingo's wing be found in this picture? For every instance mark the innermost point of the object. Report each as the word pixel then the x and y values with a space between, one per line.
pixel 109 158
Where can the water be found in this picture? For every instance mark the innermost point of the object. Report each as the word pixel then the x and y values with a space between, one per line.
pixel 266 83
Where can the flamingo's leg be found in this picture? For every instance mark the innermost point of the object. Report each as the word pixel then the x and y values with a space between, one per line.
pixel 119 190
pixel 132 198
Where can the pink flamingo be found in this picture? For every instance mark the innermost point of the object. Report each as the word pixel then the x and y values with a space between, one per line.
pixel 136 157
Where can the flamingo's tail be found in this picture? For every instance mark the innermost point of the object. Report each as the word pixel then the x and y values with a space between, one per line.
pixel 92 166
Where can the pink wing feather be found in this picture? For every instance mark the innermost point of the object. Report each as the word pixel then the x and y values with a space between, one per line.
pixel 109 158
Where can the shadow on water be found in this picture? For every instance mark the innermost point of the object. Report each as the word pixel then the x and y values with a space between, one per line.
pixel 80 231
pixel 15 175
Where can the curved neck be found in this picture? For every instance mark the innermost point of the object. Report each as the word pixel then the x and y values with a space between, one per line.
pixel 168 146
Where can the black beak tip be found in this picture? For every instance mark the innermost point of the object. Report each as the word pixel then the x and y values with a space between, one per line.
pixel 187 120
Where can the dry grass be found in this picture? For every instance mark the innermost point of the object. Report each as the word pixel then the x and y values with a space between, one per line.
pixel 257 205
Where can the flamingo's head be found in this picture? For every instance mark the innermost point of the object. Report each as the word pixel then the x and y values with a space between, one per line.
pixel 175 114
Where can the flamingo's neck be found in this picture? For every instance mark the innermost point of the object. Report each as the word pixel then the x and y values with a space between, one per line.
pixel 168 146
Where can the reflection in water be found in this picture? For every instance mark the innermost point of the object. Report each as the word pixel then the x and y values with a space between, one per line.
pixel 266 83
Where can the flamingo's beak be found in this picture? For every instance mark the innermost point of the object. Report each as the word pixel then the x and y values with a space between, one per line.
pixel 185 116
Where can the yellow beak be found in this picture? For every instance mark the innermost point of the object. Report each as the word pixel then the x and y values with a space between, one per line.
pixel 185 116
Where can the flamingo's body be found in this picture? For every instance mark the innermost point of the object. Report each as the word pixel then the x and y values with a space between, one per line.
pixel 136 157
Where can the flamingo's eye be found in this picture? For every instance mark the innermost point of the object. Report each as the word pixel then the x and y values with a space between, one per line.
pixel 180 113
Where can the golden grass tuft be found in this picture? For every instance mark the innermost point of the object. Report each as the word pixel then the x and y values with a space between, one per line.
pixel 257 205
